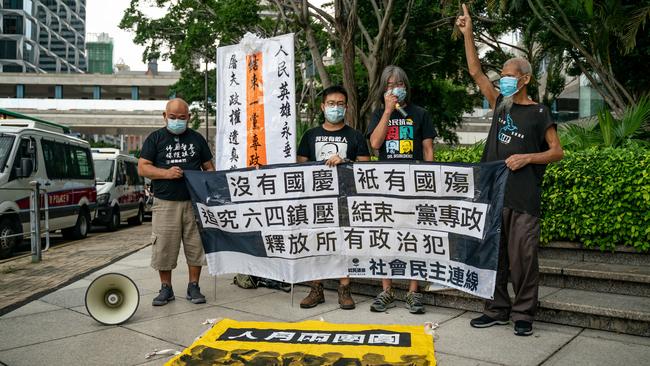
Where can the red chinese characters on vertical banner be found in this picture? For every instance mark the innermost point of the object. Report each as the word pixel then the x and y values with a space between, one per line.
pixel 256 145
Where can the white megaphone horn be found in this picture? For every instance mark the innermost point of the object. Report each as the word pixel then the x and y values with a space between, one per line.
pixel 112 298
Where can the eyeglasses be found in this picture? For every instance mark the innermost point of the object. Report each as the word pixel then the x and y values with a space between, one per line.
pixel 394 84
pixel 335 104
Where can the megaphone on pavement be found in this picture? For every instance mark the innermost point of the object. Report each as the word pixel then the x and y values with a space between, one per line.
pixel 112 298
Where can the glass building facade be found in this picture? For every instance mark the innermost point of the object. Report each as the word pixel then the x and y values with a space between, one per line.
pixel 42 36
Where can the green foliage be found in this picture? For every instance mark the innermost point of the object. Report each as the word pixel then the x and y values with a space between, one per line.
pixel 609 131
pixel 599 197
pixel 98 144
pixel 188 34
pixel 432 60
pixel 445 102
pixel 471 154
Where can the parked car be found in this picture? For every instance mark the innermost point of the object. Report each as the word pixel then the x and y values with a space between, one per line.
pixel 62 164
pixel 120 190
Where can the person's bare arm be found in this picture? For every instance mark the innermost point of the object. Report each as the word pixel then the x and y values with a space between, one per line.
pixel 554 153
pixel 378 135
pixel 302 159
pixel 148 170
pixel 464 23
pixel 208 166
pixel 428 152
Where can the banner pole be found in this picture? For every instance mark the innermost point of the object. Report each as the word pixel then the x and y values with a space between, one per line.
pixel 292 295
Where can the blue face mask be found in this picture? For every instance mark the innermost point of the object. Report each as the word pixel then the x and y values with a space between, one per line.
pixel 176 126
pixel 334 114
pixel 508 85
pixel 400 93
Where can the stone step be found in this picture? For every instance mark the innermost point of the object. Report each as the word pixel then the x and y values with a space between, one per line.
pixel 576 252
pixel 589 309
pixel 594 276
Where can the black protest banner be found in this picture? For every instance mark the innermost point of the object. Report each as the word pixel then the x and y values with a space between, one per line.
pixel 299 222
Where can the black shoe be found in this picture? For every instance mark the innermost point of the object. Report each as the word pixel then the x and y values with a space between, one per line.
pixel 485 321
pixel 165 295
pixel 194 293
pixel 523 328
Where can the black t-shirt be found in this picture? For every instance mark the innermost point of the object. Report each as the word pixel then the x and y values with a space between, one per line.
pixel 404 136
pixel 318 144
pixel 187 151
pixel 522 131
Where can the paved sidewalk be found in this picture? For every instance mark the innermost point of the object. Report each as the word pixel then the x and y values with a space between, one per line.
pixel 56 330
pixel 22 281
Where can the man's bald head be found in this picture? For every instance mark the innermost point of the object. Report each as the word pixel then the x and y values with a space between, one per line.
pixel 177 108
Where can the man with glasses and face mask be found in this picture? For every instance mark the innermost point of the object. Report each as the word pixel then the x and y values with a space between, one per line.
pixel 333 142
pixel 522 134
pixel 166 153
pixel 400 130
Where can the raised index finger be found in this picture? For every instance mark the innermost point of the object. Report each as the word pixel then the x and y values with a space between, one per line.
pixel 465 12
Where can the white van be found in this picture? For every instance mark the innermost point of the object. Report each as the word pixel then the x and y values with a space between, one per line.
pixel 120 190
pixel 62 164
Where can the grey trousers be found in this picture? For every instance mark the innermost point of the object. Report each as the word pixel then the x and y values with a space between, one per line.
pixel 518 257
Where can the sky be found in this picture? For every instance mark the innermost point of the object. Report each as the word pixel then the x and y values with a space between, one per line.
pixel 103 16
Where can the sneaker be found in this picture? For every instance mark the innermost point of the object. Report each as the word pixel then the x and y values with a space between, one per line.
pixel 315 296
pixel 384 301
pixel 485 321
pixel 194 293
pixel 414 303
pixel 345 298
pixel 165 295
pixel 523 328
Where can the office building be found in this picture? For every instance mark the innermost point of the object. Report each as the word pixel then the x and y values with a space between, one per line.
pixel 43 36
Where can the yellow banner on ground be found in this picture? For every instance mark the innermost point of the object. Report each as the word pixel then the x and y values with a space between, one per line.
pixel 309 343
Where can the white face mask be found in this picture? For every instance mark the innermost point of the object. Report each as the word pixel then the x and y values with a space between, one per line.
pixel 176 126
pixel 334 114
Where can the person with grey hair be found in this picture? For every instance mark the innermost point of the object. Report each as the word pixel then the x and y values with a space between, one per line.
pixel 523 134
pixel 400 130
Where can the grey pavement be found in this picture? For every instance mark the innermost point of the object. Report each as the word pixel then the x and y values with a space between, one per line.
pixel 56 329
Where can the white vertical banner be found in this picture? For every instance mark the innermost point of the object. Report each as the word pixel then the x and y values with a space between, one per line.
pixel 256 113
pixel 230 141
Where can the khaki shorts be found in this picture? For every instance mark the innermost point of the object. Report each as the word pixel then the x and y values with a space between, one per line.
pixel 171 223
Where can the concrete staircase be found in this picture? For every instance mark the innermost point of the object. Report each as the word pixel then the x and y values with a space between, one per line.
pixel 579 287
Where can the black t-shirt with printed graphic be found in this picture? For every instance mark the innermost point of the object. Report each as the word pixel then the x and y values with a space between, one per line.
pixel 319 144
pixel 404 136
pixel 187 151
pixel 522 131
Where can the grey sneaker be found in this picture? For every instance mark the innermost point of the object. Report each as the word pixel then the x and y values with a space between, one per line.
pixel 384 301
pixel 194 293
pixel 414 303
pixel 165 295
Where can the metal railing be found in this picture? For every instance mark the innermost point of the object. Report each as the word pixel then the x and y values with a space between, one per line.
pixel 35 210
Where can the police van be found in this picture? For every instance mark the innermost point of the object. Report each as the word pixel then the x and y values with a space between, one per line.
pixel 62 164
pixel 120 190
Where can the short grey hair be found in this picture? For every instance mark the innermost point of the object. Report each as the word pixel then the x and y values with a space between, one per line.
pixel 400 75
pixel 522 65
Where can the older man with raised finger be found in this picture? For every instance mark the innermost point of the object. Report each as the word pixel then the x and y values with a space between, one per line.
pixel 525 137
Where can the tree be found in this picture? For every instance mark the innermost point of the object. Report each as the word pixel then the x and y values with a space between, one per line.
pixel 188 33
pixel 593 34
